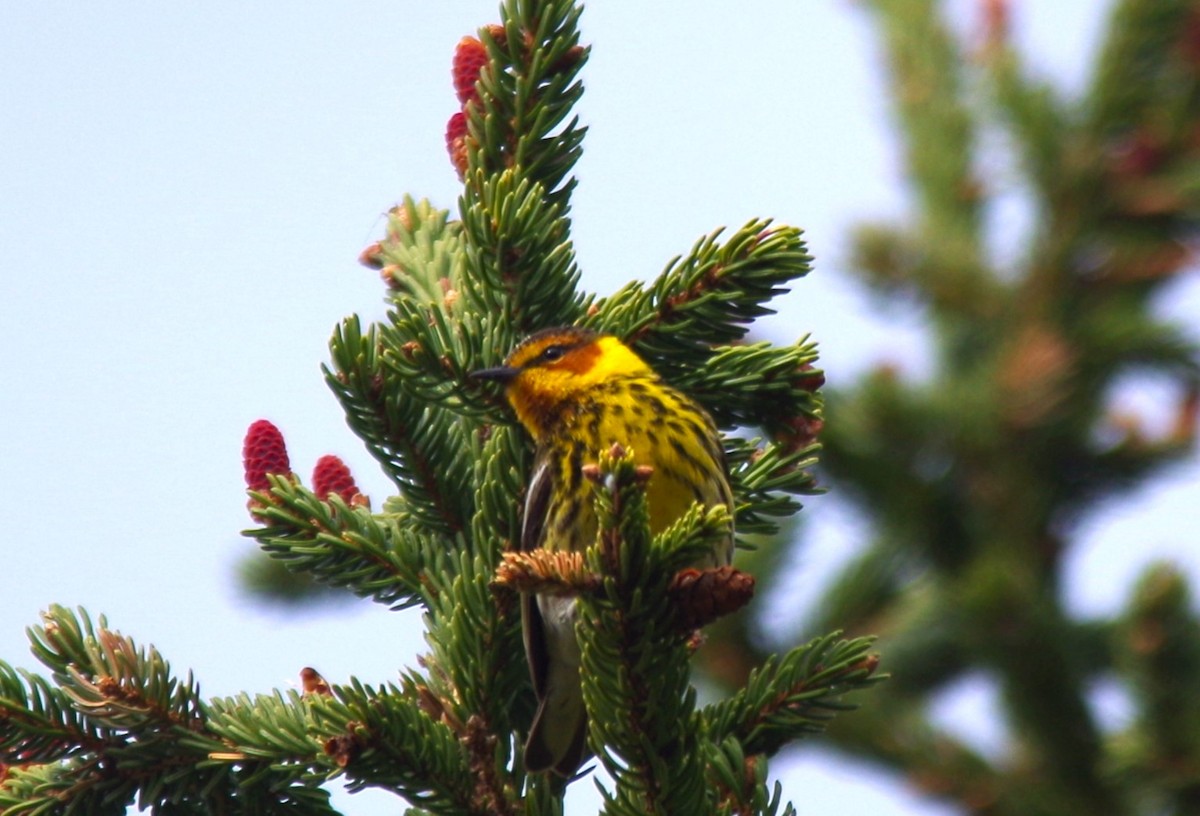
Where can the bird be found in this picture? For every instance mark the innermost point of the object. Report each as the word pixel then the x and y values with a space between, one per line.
pixel 577 392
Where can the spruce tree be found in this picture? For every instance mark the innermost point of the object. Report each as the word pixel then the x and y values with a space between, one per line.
pixel 112 726
pixel 977 477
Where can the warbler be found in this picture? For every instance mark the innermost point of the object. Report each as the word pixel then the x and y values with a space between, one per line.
pixel 577 392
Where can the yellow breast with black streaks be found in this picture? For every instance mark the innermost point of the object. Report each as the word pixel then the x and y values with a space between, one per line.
pixel 578 393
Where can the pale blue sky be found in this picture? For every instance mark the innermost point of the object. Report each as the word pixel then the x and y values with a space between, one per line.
pixel 184 190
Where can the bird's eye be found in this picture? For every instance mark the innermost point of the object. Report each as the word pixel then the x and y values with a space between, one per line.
pixel 552 353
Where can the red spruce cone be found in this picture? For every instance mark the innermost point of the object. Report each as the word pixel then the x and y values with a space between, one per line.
pixel 263 452
pixel 372 256
pixel 701 596
pixel 330 475
pixel 456 142
pixel 470 56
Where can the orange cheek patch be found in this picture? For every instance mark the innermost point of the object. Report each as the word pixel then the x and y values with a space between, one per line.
pixel 580 360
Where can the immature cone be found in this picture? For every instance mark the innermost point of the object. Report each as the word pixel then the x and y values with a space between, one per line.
pixel 456 142
pixel 470 56
pixel 810 378
pixel 569 59
pixel 372 256
pixel 497 33
pixel 313 683
pixel 798 432
pixel 701 596
pixel 996 14
pixel 330 475
pixel 263 452
pixel 344 748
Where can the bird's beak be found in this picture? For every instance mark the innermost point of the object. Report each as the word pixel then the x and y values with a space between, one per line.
pixel 501 374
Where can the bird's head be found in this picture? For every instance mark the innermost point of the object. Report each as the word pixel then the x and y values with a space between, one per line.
pixel 554 368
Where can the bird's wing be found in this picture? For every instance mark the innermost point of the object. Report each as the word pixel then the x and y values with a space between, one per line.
pixel 537 504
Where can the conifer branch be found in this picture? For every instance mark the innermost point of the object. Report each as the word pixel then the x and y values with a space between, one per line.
pixel 379 557
pixel 473 637
pixel 381 738
pixel 740 781
pixel 121 729
pixel 520 258
pixel 756 384
pixel 434 327
pixel 1160 647
pixel 40 724
pixel 926 76
pixel 1034 112
pixel 500 474
pixel 376 737
pixel 764 479
pixel 492 793
pixel 1135 63
pixel 634 665
pixel 404 434
pixel 926 654
pixel 793 696
pixel 421 256
pixel 517 184
pixel 526 93
pixel 115 727
pixel 273 727
pixel 975 478
pixel 706 298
